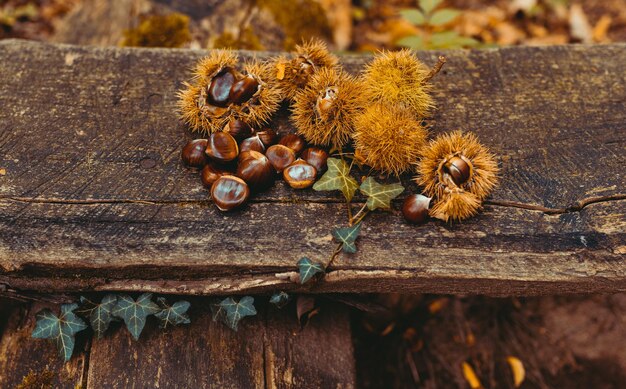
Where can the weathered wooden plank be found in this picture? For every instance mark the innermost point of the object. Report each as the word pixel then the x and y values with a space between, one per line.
pixel 33 362
pixel 69 134
pixel 265 352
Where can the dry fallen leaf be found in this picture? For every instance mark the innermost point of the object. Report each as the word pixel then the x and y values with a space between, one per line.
pixel 601 28
pixel 3 171
pixel 437 305
pixel 579 24
pixel 517 367
pixel 470 376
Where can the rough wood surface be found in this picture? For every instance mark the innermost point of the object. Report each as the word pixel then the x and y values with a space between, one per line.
pixel 94 195
pixel 268 351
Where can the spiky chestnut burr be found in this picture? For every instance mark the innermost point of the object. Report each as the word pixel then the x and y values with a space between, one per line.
pixel 459 172
pixel 293 74
pixel 388 138
pixel 399 78
pixel 220 92
pixel 325 110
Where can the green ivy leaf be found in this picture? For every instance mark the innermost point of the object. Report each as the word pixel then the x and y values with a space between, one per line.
pixel 451 39
pixel 413 16
pixel 172 315
pixel 308 269
pixel 100 315
pixel 347 236
pixel 134 313
pixel 60 329
pixel 279 299
pixel 380 195
pixel 443 16
pixel 235 311
pixel 414 42
pixel 337 177
pixel 429 5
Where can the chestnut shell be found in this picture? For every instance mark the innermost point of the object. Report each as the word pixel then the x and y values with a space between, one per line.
pixel 229 192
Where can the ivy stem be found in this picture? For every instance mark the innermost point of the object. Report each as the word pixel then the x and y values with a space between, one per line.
pixel 358 220
pixel 358 214
pixel 333 256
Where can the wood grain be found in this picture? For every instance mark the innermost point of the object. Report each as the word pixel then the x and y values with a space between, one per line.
pixel 94 196
pixel 267 351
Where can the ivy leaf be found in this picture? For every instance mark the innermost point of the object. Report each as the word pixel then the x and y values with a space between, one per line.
pixel 380 195
pixel 235 311
pixel 279 299
pixel 337 177
pixel 429 5
pixel 443 16
pixel 60 329
pixel 172 315
pixel 413 16
pixel 100 315
pixel 308 269
pixel 134 313
pixel 347 236
pixel 414 42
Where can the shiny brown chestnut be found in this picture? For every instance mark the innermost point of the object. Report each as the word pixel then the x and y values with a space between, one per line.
pixel 316 157
pixel 294 142
pixel 415 208
pixel 243 90
pixel 239 129
pixel 229 192
pixel 193 153
pixel 219 89
pixel 458 169
pixel 210 173
pixel 256 170
pixel 252 143
pixel 280 157
pixel 268 136
pixel 222 147
pixel 300 174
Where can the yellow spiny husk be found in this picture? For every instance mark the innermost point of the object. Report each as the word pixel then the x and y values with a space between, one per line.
pixel 483 166
pixel 389 138
pixel 293 74
pixel 455 204
pixel 203 117
pixel 398 78
pixel 334 124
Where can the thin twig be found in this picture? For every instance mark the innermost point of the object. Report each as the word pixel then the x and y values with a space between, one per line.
pixel 334 255
pixel 358 214
pixel 433 72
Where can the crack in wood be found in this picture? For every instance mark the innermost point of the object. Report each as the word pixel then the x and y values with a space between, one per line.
pixel 576 207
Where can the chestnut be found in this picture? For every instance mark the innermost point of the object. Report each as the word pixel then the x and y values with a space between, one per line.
pixel 316 157
pixel 415 208
pixel 219 89
pixel 243 90
pixel 222 147
pixel 268 137
pixel 239 129
pixel 294 142
pixel 228 192
pixel 280 157
pixel 193 153
pixel 300 174
pixel 458 169
pixel 210 173
pixel 253 143
pixel 256 170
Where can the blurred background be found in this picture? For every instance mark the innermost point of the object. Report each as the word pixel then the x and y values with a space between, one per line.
pixel 347 25
pixel 413 341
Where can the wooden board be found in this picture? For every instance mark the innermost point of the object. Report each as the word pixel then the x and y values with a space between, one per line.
pixel 268 351
pixel 94 196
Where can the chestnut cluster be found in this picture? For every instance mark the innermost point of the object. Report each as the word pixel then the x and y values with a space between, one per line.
pixel 238 161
